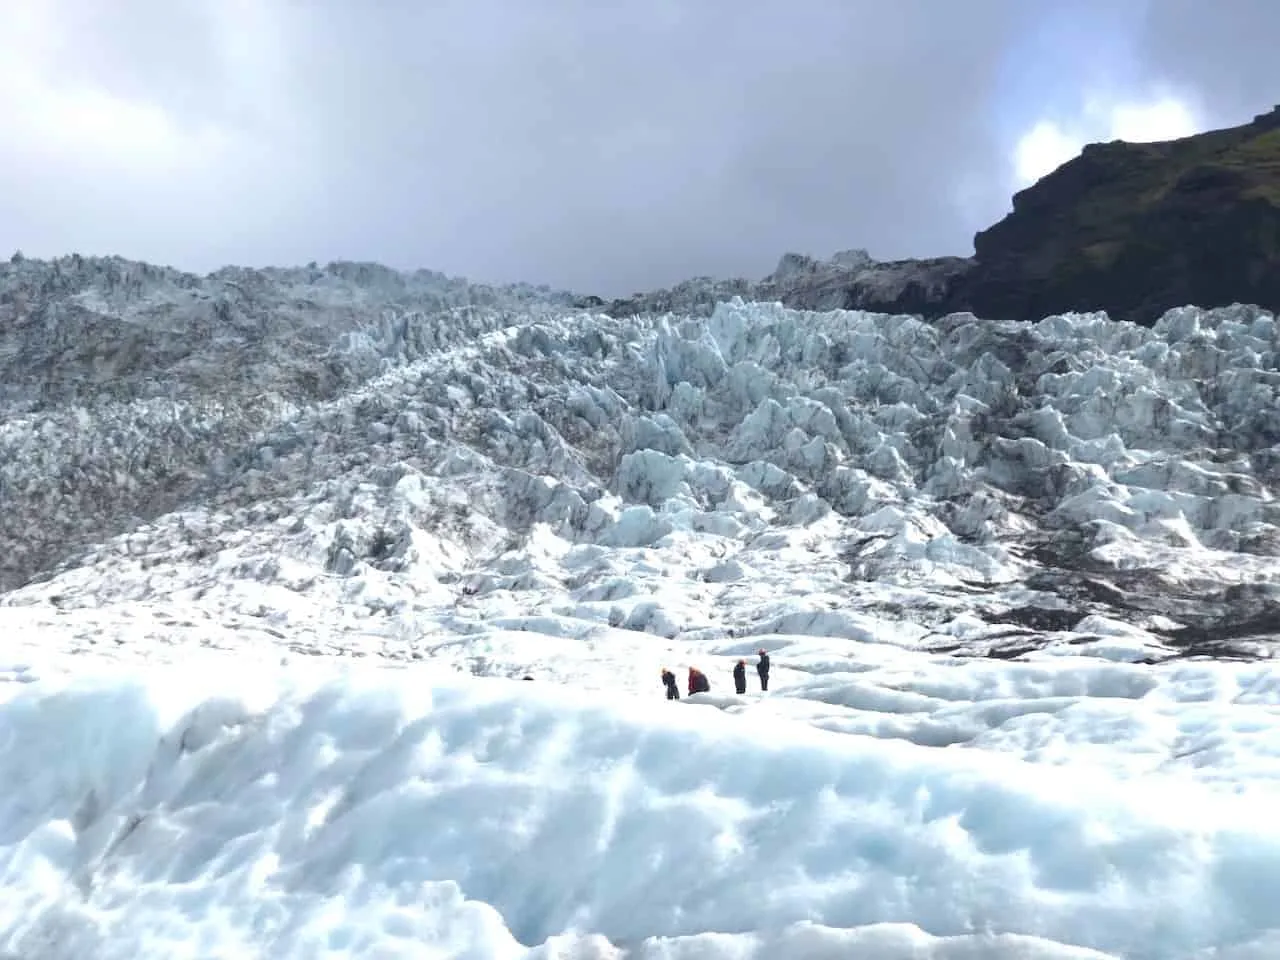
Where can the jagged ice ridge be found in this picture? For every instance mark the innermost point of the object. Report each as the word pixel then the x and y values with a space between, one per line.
pixel 988 560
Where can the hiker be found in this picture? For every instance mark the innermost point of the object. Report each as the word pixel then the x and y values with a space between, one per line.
pixel 740 677
pixel 669 681
pixel 762 668
pixel 698 682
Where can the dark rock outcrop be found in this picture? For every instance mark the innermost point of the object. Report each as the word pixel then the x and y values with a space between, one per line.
pixel 1130 228
pixel 1138 228
pixel 851 280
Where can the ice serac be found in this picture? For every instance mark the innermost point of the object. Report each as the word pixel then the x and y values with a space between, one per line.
pixel 1033 475
pixel 143 380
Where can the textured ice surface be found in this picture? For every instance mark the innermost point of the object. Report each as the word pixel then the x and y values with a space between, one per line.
pixel 406 814
pixel 314 527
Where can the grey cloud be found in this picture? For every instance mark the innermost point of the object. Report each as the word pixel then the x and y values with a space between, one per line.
pixel 605 147
pixel 1222 54
pixel 620 146
pixel 145 50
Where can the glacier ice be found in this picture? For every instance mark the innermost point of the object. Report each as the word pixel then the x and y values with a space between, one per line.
pixel 326 812
pixel 274 543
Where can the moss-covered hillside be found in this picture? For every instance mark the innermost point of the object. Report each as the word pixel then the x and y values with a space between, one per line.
pixel 1137 228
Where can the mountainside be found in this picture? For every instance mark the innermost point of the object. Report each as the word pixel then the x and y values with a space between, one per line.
pixel 1134 229
pixel 1138 228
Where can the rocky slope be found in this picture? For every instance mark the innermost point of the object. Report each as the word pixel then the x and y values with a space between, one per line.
pixel 1132 229
pixel 850 280
pixel 1136 229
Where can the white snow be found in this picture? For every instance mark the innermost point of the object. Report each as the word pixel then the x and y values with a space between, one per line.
pixel 277 708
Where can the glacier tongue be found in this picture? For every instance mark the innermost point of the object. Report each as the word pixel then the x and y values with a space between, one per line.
pixel 435 477
pixel 1033 475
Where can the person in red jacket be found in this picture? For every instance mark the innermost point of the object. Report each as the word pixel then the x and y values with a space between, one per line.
pixel 698 682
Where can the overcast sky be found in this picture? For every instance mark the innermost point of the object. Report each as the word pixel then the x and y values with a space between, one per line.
pixel 606 146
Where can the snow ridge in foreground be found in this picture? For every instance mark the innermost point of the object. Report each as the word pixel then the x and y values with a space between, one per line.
pixel 987 559
pixel 403 813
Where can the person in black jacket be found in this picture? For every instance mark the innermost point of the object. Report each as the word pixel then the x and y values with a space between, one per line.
pixel 762 668
pixel 669 681
pixel 740 677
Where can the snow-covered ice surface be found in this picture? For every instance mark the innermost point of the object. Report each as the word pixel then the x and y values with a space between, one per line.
pixel 281 546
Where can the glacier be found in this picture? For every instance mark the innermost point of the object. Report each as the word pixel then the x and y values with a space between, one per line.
pixel 335 601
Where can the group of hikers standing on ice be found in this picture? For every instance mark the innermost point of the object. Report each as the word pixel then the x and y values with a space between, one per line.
pixel 698 682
